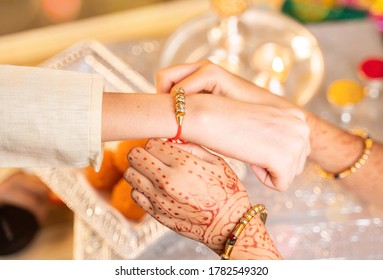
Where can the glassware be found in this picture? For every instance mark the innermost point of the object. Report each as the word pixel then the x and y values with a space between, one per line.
pixel 227 38
pixel 263 46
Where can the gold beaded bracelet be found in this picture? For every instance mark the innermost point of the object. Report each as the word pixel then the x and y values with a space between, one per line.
pixel 240 226
pixel 368 143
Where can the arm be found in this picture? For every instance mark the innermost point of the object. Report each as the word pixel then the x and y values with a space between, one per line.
pixel 56 118
pixel 49 118
pixel 232 128
pixel 137 116
pixel 197 195
pixel 277 132
pixel 332 148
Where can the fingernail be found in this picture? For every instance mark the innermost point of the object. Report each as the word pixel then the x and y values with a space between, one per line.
pixel 127 174
pixel 150 143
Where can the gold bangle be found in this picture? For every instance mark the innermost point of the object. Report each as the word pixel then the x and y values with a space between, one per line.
pixel 240 226
pixel 368 143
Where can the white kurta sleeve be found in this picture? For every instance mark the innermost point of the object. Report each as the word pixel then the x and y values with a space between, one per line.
pixel 49 118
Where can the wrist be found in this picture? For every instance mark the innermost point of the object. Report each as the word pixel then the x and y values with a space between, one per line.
pixel 332 148
pixel 225 221
pixel 249 238
pixel 198 118
pixel 255 243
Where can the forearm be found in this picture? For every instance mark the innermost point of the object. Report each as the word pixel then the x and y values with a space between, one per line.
pixel 135 116
pixel 335 150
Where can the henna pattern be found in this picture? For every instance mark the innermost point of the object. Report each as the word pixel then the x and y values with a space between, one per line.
pixel 256 236
pixel 232 179
pixel 200 200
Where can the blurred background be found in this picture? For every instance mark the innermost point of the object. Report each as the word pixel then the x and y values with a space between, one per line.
pixel 33 30
pixel 20 15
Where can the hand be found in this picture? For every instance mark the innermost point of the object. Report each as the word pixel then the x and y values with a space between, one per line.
pixel 207 77
pixel 266 131
pixel 192 192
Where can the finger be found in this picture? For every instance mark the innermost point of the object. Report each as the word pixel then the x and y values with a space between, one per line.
pixel 139 182
pixel 142 201
pixel 212 78
pixel 145 203
pixel 270 180
pixel 201 153
pixel 154 192
pixel 167 77
pixel 147 164
pixel 209 78
pixel 147 189
pixel 176 155
pixel 145 175
pixel 165 152
pixel 157 183
pixel 295 112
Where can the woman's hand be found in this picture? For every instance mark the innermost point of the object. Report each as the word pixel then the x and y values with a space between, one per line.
pixel 199 196
pixel 206 77
pixel 191 191
pixel 266 131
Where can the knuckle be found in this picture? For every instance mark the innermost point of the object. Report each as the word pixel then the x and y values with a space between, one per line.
pixel 211 68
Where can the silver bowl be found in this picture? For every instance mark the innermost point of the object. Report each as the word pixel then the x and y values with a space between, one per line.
pixel 265 34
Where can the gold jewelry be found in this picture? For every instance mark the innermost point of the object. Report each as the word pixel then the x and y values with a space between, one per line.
pixel 180 105
pixel 368 143
pixel 180 110
pixel 240 226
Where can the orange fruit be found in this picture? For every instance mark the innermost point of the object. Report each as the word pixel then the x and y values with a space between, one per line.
pixel 108 175
pixel 122 200
pixel 120 158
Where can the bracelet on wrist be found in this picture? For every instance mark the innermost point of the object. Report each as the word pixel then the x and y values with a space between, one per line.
pixel 180 110
pixel 240 226
pixel 368 143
